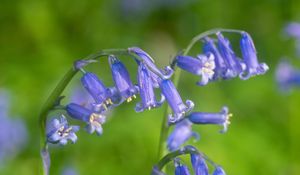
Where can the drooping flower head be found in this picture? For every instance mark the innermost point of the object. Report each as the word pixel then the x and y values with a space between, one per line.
pixel 174 100
pixel 94 120
pixel 199 165
pixel 122 79
pixel 234 65
pixel 202 65
pixel 253 67
pixel 146 58
pixel 181 169
pixel 147 94
pixel 221 69
pixel 181 133
pixel 59 131
pixel 103 96
pixel 221 118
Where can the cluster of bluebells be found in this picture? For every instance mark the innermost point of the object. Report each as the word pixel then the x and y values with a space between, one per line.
pixel 218 61
pixel 13 135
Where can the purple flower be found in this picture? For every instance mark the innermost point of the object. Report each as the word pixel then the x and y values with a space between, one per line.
pixel 219 171
pixel 221 69
pixel 287 76
pixel 166 73
pixel 181 133
pixel 293 29
pixel 234 65
pixel 94 120
pixel 102 95
pixel 182 170
pixel 221 118
pixel 146 90
pixel 203 65
pixel 253 67
pixel 122 79
pixel 199 165
pixel 59 131
pixel 174 100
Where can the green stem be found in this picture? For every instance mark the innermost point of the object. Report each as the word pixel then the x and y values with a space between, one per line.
pixel 176 78
pixel 56 93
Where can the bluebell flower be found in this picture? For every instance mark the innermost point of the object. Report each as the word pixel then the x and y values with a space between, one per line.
pixel 202 65
pixel 94 120
pixel 146 58
pixel 59 131
pixel 219 171
pixel 199 165
pixel 182 170
pixel 122 79
pixel 234 65
pixel 253 67
pixel 287 76
pixel 103 96
pixel 221 69
pixel 174 100
pixel 293 29
pixel 221 118
pixel 181 133
pixel 146 90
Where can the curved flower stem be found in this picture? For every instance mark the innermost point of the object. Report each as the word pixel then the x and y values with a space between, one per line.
pixel 176 77
pixel 54 96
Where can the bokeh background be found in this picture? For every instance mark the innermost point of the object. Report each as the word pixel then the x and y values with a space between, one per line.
pixel 39 40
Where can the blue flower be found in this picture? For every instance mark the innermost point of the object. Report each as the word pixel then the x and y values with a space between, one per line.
pixel 221 118
pixel 59 131
pixel 146 90
pixel 182 170
pixel 146 58
pixel 94 120
pixel 174 100
pixel 181 133
pixel 199 165
pixel 234 65
pixel 293 30
pixel 102 95
pixel 203 65
pixel 219 171
pixel 253 67
pixel 221 68
pixel 122 79
pixel 287 76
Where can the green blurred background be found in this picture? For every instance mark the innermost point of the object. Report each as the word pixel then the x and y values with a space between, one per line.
pixel 40 39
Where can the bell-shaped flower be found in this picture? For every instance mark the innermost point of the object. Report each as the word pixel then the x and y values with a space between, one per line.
pixel 221 69
pixel 219 171
pixel 102 95
pixel 199 165
pixel 181 169
pixel 59 131
pixel 181 133
pixel 221 118
pixel 203 65
pixel 94 120
pixel 147 94
pixel 122 79
pixel 146 58
pixel 174 100
pixel 253 67
pixel 234 65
